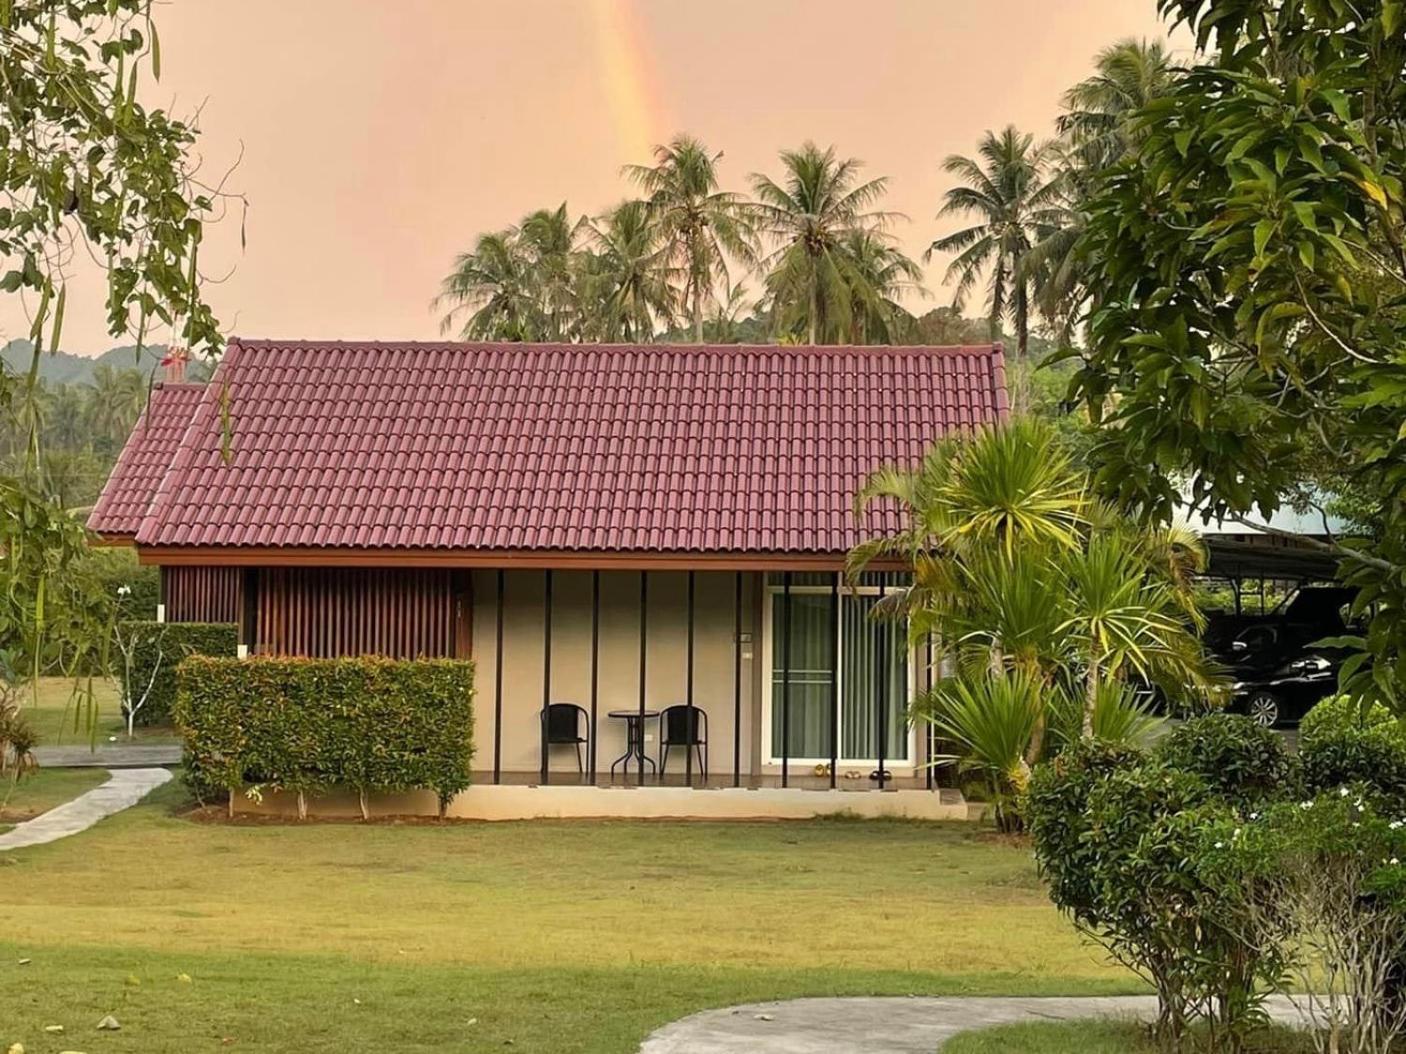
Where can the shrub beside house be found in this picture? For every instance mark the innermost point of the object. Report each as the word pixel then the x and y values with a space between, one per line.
pixel 306 726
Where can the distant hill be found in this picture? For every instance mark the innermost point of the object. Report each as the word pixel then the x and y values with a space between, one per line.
pixel 64 367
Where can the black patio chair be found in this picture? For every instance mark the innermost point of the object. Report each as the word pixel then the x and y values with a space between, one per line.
pixel 676 730
pixel 562 725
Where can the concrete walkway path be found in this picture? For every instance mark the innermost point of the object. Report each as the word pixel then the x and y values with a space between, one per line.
pixel 915 1025
pixel 109 756
pixel 126 788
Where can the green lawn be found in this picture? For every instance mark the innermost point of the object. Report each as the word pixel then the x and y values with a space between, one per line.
pixel 1088 1037
pixel 60 721
pixel 41 791
pixel 556 936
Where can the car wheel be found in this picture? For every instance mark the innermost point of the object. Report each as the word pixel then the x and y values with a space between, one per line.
pixel 1263 709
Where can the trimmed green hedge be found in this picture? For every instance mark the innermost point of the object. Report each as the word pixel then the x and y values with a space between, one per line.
pixel 172 642
pixel 304 725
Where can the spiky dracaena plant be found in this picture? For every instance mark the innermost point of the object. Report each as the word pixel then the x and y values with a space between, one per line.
pixel 990 718
pixel 1018 570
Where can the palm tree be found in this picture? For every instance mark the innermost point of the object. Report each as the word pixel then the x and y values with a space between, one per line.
pixel 812 219
pixel 1095 133
pixel 724 325
pixel 119 397
pixel 548 240
pixel 1006 191
pixel 65 407
pixel 629 276
pixel 700 224
pixel 495 285
pixel 886 275
pixel 1127 76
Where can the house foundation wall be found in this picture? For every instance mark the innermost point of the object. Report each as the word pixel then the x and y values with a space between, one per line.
pixel 511 802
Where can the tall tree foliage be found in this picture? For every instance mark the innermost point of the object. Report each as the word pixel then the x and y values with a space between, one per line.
pixel 701 224
pixel 85 165
pixel 1248 274
pixel 629 279
pixel 1006 191
pixel 491 293
pixel 827 246
pixel 1096 130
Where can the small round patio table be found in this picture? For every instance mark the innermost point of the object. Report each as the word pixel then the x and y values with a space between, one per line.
pixel 634 740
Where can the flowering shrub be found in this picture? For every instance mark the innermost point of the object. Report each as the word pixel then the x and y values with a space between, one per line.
pixel 1119 836
pixel 1331 871
pixel 1341 744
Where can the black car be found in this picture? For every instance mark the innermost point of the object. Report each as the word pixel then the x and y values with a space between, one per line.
pixel 1278 667
pixel 1287 692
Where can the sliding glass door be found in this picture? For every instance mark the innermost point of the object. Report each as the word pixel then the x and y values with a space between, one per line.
pixel 811 650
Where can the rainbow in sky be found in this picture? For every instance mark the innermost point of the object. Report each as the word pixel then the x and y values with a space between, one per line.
pixel 633 94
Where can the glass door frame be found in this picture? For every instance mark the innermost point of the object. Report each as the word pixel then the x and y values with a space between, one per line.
pixel 773 593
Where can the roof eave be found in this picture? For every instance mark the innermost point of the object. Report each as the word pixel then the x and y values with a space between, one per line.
pixel 524 559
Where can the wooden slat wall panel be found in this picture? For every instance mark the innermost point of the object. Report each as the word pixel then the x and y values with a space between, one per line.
pixel 403 613
pixel 202 594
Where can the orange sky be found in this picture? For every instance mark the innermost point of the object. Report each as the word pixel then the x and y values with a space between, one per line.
pixel 380 138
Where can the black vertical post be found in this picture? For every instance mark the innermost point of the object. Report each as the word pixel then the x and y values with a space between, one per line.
pixel 929 739
pixel 882 702
pixel 688 692
pixel 644 647
pixel 595 667
pixel 498 689
pixel 834 679
pixel 249 622
pixel 546 669
pixel 737 681
pixel 785 677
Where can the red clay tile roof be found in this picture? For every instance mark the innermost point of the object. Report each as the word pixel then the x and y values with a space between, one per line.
pixel 606 448
pixel 144 460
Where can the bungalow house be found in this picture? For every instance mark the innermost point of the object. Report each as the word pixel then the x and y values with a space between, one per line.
pixel 652 534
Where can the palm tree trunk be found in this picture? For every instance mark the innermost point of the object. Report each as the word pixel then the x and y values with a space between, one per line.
pixel 814 315
pixel 1022 320
pixel 1090 700
pixel 697 310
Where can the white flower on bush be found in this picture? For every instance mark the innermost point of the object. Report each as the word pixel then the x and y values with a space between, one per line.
pixel 1394 861
pixel 1395 825
pixel 1342 792
pixel 124 591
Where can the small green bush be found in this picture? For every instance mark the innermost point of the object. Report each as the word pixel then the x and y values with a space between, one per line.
pixel 170 643
pixel 302 725
pixel 1056 810
pixel 1340 712
pixel 1340 745
pixel 1243 764
pixel 1119 837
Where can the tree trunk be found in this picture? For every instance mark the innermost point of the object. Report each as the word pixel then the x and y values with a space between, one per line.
pixel 302 806
pixel 365 807
pixel 1022 321
pixel 1090 700
pixel 811 328
pixel 697 311
pixel 231 803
